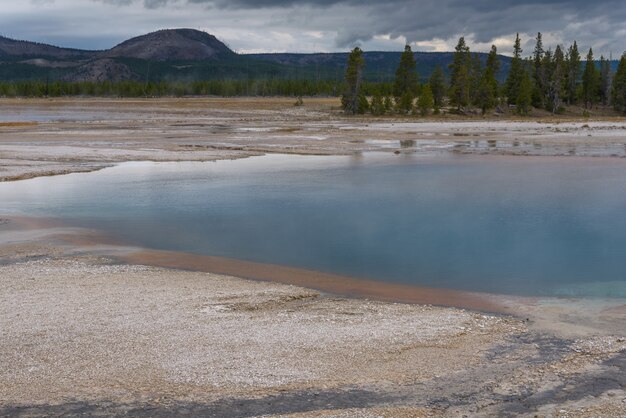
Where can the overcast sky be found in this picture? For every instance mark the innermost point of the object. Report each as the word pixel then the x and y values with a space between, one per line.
pixel 324 25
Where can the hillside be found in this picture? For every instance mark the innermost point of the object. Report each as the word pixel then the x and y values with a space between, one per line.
pixel 172 45
pixel 379 65
pixel 165 55
pixel 10 48
pixel 190 55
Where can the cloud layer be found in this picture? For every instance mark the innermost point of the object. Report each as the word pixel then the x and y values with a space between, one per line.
pixel 326 25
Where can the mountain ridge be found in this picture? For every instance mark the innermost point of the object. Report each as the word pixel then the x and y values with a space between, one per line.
pixel 192 55
pixel 26 60
pixel 23 48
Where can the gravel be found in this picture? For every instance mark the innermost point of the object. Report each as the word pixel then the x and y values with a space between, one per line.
pixel 81 326
pixel 82 336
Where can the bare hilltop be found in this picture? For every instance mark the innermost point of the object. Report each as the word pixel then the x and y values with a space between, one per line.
pixel 113 64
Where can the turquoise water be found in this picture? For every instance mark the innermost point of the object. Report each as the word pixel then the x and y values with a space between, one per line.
pixel 528 226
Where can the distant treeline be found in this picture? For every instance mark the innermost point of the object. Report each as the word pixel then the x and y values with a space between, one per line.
pixel 224 88
pixel 546 79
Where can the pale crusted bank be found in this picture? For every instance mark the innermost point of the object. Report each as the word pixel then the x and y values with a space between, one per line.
pixel 82 335
pixel 57 136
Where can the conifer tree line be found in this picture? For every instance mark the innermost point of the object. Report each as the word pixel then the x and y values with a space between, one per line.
pixel 546 79
pixel 132 88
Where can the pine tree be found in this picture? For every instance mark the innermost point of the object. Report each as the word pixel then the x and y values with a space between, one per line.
pixel 524 96
pixel 460 76
pixel 573 73
pixel 605 81
pixel 547 70
pixel 619 87
pixel 438 86
pixel 488 87
pixel 426 100
pixel 364 105
pixel 377 107
pixel 388 104
pixel 405 103
pixel 492 68
pixel 590 81
pixel 538 73
pixel 486 95
pixel 516 73
pixel 476 75
pixel 556 80
pixel 352 99
pixel 406 75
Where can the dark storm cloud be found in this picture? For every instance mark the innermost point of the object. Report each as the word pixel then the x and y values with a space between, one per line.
pixel 324 25
pixel 592 22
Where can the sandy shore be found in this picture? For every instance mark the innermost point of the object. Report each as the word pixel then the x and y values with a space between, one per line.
pixel 83 333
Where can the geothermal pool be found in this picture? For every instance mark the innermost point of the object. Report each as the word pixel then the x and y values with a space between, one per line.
pixel 537 226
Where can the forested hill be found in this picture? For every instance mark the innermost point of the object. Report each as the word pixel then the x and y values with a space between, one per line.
pixel 11 48
pixel 379 65
pixel 189 55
